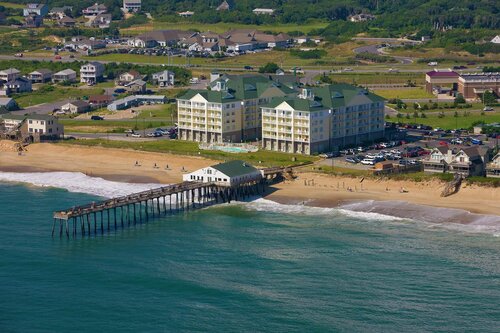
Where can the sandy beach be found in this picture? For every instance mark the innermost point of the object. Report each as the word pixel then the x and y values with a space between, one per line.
pixel 308 188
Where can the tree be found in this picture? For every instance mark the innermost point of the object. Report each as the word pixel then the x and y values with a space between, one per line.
pixel 459 99
pixel 489 98
pixel 270 67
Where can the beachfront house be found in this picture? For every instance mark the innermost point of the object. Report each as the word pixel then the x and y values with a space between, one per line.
pixel 227 174
pixel 36 126
pixel 467 161
pixel 91 72
pixel 67 75
pixel 493 168
pixel 40 76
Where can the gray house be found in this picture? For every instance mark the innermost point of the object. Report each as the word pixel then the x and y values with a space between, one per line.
pixel 164 78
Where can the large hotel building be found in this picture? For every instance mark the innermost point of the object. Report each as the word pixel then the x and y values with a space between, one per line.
pixel 287 118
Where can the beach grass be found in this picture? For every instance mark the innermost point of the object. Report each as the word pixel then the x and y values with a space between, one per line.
pixel 259 158
pixel 378 78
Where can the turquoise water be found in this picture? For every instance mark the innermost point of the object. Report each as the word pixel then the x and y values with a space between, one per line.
pixel 242 268
pixel 231 149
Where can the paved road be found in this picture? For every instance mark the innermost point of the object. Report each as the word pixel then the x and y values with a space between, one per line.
pixel 375 49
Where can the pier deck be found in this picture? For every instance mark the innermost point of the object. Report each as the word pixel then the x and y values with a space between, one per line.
pixel 140 207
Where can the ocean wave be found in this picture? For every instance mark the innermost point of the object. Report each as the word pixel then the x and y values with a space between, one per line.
pixel 76 182
pixel 271 206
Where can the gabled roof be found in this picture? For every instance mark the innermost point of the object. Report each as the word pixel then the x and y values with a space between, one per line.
pixel 211 96
pixel 10 71
pixel 235 168
pixel 79 103
pixel 67 71
pixel 42 71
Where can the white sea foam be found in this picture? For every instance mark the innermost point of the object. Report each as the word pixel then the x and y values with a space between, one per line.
pixel 76 182
pixel 271 206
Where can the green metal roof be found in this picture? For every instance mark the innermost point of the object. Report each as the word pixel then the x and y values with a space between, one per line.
pixel 211 96
pixel 235 168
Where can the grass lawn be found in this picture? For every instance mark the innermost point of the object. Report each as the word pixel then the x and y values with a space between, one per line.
pixel 166 111
pixel 405 93
pixel 11 5
pixel 451 122
pixel 58 93
pixel 220 27
pixel 111 126
pixel 378 78
pixel 267 158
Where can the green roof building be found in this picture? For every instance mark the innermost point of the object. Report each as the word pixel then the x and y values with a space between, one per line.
pixel 228 174
pixel 322 119
pixel 229 110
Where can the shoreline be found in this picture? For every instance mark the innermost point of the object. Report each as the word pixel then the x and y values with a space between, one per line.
pixel 310 189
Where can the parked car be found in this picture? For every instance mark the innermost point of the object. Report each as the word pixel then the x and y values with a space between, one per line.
pixel 488 108
pixel 96 118
pixel 136 135
pixel 352 159
pixel 368 161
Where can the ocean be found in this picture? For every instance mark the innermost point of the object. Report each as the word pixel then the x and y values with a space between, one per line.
pixel 243 267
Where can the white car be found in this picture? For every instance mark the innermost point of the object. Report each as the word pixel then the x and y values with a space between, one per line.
pixel 136 135
pixel 368 161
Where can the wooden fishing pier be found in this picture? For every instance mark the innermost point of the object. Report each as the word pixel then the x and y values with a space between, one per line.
pixel 126 211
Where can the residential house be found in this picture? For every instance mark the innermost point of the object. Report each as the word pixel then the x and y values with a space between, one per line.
pixel 99 101
pixel 159 38
pixel 164 78
pixel 16 86
pixel 60 12
pixel 468 161
pixel 186 14
pixel 101 21
pixel 230 173
pixel 322 119
pixel 263 11
pixel 224 6
pixel 493 168
pixel 136 100
pixel 91 72
pixel 361 17
pixel 84 44
pixel 496 39
pixel 131 6
pixel 33 20
pixel 77 106
pixel 35 8
pixel 8 104
pixel 40 76
pixel 94 10
pixel 136 86
pixel 9 74
pixel 66 21
pixel 301 40
pixel 66 75
pixel 230 110
pixel 37 126
pixel 129 76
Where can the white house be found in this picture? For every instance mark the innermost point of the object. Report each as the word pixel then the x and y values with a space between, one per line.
pixel 493 169
pixel 228 173
pixel 496 39
pixel 36 124
pixel 263 11
pixel 131 6
pixel 77 106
